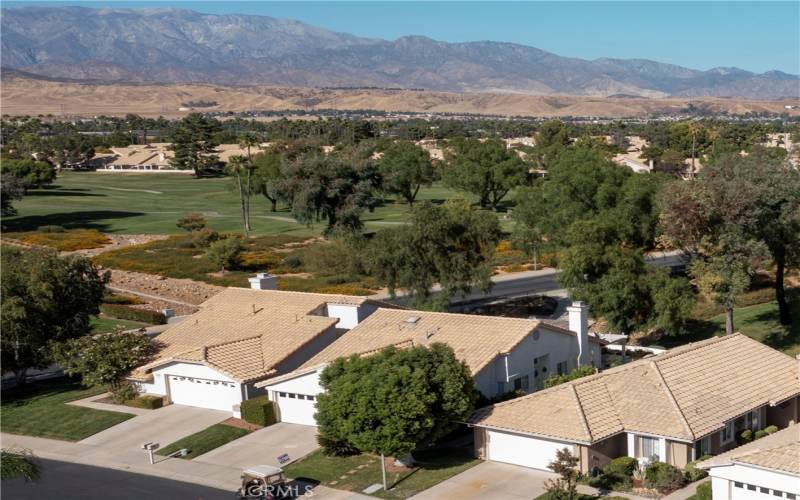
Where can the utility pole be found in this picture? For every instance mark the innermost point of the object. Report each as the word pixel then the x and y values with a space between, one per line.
pixel 383 472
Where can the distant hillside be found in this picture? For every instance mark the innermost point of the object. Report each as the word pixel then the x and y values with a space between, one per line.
pixel 173 45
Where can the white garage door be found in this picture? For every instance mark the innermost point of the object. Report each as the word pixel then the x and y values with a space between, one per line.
pixel 522 450
pixel 204 393
pixel 297 408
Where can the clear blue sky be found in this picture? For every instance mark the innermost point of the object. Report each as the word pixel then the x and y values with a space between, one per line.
pixel 757 36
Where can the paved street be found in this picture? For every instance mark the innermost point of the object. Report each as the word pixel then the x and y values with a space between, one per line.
pixel 68 481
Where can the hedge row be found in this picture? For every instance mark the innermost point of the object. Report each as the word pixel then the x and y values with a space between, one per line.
pixel 121 311
pixel 258 411
pixel 147 402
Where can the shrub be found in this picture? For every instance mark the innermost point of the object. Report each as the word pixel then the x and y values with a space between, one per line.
pixel 581 371
pixel 65 241
pixel 114 298
pixel 746 436
pixel 760 434
pixel 335 448
pixel 330 258
pixel 703 492
pixel 51 229
pixel 692 472
pixel 293 261
pixel 121 311
pixel 203 238
pixel 663 477
pixel 147 401
pixel 771 429
pixel 226 254
pixel 258 411
pixel 125 391
pixel 192 222
pixel 622 466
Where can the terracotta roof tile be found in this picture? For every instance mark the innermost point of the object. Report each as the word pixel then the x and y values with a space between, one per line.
pixel 779 451
pixel 685 393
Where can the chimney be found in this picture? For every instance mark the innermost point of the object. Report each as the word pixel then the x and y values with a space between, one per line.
pixel 579 323
pixel 263 281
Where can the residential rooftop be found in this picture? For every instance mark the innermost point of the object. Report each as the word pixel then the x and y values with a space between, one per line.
pixel 476 340
pixel 684 394
pixel 246 333
pixel 779 451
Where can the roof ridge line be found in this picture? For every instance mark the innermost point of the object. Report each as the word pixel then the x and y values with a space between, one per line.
pixel 582 413
pixel 226 342
pixel 672 399
pixel 465 315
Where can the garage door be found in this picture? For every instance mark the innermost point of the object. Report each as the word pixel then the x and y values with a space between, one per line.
pixel 204 393
pixel 297 408
pixel 522 450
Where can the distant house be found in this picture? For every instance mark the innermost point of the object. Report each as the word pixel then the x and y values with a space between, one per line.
pixel 676 406
pixel 768 468
pixel 503 354
pixel 242 336
pixel 155 157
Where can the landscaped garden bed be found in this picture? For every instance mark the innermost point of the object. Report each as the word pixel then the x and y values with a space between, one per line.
pixel 40 410
pixel 62 239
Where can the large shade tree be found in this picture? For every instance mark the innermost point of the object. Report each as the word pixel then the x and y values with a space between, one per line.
pixel 194 144
pixel 451 245
pixel 405 168
pixel 46 298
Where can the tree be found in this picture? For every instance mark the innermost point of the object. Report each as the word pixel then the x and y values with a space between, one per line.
pixel 104 359
pixel 46 298
pixel 11 188
pixel 405 168
pixel 566 486
pixel 31 174
pixel 16 463
pixel 226 253
pixel 192 222
pixel 552 137
pixel 752 200
pixel 485 168
pixel 194 144
pixel 267 176
pixel 242 170
pixel 395 401
pixel 451 245
pixel 336 187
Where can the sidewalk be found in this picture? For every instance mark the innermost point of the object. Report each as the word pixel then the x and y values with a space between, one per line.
pixel 685 492
pixel 189 471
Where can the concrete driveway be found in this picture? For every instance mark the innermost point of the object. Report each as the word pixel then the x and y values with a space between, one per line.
pixel 264 446
pixel 164 426
pixel 491 480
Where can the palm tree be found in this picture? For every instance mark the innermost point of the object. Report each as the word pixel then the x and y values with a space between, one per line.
pixel 239 167
pixel 694 129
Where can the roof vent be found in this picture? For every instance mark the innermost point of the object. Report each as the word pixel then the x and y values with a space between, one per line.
pixel 411 320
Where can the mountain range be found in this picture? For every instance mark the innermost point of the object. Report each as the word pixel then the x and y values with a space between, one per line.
pixel 177 45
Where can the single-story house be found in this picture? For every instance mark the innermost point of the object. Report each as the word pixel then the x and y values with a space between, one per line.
pixel 677 406
pixel 768 468
pixel 503 354
pixel 242 336
pixel 156 156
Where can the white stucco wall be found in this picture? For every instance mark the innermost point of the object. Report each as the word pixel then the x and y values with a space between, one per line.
pixel 723 479
pixel 556 345
pixel 303 384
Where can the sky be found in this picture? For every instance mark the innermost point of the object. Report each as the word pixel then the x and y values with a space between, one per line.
pixel 756 36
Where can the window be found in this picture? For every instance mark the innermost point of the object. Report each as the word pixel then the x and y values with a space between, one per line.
pixel 561 368
pixel 791 496
pixel 726 434
pixel 291 395
pixel 751 487
pixel 752 420
pixel 777 493
pixel 764 490
pixel 648 447
pixel 738 484
pixel 521 383
pixel 501 388
pixel 283 394
pixel 705 446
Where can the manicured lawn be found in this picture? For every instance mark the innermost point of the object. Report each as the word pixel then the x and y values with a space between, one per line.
pixel 40 410
pixel 362 471
pixel 204 441
pixel 103 324
pixel 151 203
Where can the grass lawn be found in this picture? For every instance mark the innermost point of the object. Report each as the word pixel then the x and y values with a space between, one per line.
pixel 151 203
pixel 759 321
pixel 103 324
pixel 204 441
pixel 40 410
pixel 362 471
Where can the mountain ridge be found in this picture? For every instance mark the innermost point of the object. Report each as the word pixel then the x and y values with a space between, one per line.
pixel 184 46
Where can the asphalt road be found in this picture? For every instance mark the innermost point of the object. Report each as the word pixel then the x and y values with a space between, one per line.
pixel 67 481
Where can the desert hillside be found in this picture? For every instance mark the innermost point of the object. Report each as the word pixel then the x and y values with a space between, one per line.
pixel 33 96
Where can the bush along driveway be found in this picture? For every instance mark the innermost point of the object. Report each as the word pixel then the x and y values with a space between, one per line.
pixel 40 410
